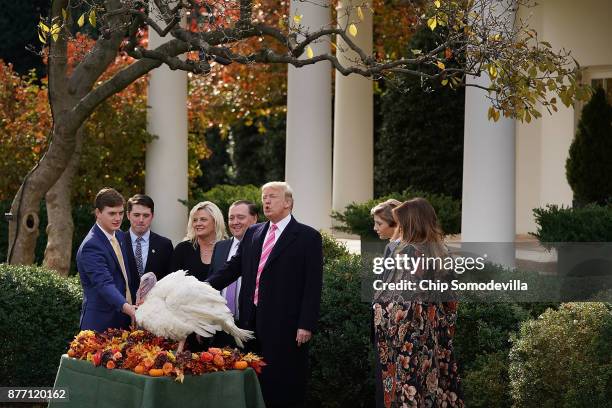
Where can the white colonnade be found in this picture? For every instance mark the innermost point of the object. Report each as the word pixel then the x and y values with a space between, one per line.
pixel 353 173
pixel 308 152
pixel 166 179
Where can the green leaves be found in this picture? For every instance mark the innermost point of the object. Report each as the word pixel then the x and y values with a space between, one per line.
pixel 553 358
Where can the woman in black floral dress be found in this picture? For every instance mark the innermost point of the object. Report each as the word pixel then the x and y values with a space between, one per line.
pixel 415 335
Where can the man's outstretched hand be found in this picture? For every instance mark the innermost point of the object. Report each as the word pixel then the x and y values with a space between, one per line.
pixel 130 310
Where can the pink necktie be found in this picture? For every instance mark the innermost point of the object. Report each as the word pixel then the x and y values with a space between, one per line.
pixel 265 253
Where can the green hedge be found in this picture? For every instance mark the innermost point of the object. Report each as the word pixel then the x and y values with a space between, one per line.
pixel 341 355
pixel 224 195
pixel 486 384
pixel 356 218
pixel 482 344
pixel 564 358
pixel 39 316
pixel 592 223
pixel 332 249
pixel 588 165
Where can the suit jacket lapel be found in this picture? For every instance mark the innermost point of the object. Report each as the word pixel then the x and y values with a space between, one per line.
pixel 127 238
pixel 102 236
pixel 150 253
pixel 228 247
pixel 287 237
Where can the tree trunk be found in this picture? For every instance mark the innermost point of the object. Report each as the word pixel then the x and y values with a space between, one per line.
pixel 60 228
pixel 23 226
pixel 24 221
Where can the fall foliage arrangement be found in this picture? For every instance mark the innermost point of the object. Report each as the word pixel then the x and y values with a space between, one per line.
pixel 144 353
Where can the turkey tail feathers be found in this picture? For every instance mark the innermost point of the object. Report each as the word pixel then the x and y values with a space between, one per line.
pixel 239 334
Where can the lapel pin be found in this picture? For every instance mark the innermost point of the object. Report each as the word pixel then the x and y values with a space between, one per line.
pixel 153 251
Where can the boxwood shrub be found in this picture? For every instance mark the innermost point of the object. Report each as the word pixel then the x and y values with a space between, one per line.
pixel 356 218
pixel 39 316
pixel 592 223
pixel 564 358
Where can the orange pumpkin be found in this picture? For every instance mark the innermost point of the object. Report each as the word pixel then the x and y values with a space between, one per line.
pixel 156 372
pixel 168 368
pixel 240 365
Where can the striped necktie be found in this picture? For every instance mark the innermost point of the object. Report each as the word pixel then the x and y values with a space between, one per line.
pixel 265 253
pixel 138 256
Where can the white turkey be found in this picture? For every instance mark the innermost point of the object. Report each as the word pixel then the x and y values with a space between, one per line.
pixel 179 305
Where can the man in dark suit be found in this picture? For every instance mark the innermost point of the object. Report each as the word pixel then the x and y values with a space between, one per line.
pixel 281 264
pixel 147 251
pixel 241 215
pixel 108 287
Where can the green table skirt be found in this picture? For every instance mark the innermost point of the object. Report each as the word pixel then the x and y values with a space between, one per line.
pixel 98 387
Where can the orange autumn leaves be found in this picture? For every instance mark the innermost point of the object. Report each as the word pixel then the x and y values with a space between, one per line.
pixel 25 120
pixel 143 353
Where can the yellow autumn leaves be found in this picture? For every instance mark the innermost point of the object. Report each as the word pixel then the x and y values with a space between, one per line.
pixel 53 30
pixel 44 31
pixel 351 28
pixel 493 114
pixel 434 21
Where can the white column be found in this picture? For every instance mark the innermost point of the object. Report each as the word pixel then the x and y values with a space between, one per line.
pixel 488 208
pixel 309 116
pixel 489 155
pixel 353 172
pixel 166 178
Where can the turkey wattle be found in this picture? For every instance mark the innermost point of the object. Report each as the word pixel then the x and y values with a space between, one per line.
pixel 179 305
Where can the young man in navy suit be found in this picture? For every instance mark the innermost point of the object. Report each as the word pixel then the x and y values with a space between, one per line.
pixel 147 251
pixel 281 264
pixel 109 289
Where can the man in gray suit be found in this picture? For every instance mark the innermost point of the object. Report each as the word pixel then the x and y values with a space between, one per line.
pixel 241 215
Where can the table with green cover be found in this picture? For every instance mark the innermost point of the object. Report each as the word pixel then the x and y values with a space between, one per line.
pixel 90 386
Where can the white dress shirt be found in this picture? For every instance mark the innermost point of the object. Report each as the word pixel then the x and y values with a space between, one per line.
pixel 281 225
pixel 109 236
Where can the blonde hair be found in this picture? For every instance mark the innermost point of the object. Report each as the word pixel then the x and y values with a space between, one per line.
pixel 384 211
pixel 215 212
pixel 283 186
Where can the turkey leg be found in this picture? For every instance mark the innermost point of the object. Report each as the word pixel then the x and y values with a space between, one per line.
pixel 181 345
